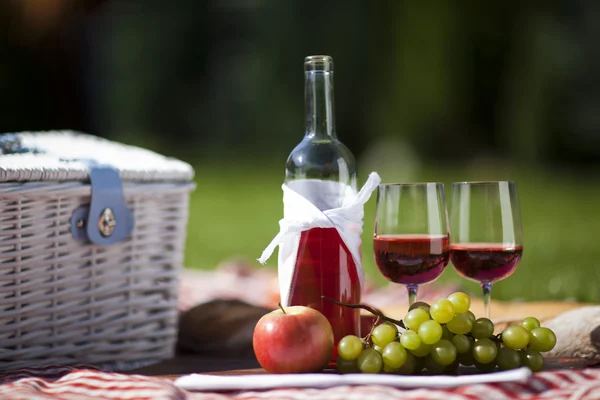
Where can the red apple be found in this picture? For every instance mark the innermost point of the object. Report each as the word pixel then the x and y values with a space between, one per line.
pixel 293 340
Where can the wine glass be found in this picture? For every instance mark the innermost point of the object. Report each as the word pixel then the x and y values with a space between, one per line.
pixel 411 240
pixel 486 244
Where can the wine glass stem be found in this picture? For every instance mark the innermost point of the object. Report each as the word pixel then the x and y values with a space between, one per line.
pixel 487 296
pixel 412 294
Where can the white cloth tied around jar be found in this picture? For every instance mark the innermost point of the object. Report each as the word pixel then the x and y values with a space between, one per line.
pixel 313 203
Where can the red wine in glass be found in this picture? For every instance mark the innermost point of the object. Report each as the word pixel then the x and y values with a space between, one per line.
pixel 485 220
pixel 411 259
pixel 485 261
pixel 411 240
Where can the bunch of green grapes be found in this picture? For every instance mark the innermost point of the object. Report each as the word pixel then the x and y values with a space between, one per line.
pixel 440 337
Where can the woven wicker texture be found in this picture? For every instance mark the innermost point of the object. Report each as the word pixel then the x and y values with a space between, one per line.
pixel 63 157
pixel 68 302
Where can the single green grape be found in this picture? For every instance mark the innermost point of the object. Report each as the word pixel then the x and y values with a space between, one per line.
pixel 410 340
pixel 472 317
pixel 482 328
pixel 432 366
pixel 346 366
pixel 462 343
pixel 508 359
pixel 516 337
pixel 532 359
pixel 530 323
pixel 369 361
pixel 422 351
pixel 419 304
pixel 443 352
pixel 460 302
pixel 542 339
pixel 441 311
pixel 414 318
pixel 461 324
pixel 485 351
pixel 394 355
pixel 349 347
pixel 430 332
pixel 384 334
pixel 446 334
pixel 410 365
pixel 389 370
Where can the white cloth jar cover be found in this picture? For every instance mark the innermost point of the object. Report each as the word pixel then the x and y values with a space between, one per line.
pixel 311 203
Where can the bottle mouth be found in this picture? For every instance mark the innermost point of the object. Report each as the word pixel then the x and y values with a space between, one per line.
pixel 318 63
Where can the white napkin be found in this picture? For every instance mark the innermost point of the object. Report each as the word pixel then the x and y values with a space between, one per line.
pixel 311 203
pixel 203 382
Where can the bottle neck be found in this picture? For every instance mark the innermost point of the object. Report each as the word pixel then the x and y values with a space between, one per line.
pixel 320 119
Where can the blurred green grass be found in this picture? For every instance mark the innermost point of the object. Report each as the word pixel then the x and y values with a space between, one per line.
pixel 234 213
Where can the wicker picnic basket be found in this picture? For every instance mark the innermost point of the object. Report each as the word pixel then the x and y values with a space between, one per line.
pixel 92 237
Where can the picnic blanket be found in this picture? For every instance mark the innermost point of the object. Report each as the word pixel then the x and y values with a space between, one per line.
pixel 87 382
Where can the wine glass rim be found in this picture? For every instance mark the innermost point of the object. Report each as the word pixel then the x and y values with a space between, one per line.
pixel 483 182
pixel 412 184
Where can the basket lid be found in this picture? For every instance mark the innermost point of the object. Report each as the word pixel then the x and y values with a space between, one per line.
pixel 65 156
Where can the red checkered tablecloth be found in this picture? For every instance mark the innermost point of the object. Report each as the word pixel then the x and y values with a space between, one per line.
pixel 54 382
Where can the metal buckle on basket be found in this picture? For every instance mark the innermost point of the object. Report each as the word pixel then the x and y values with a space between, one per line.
pixel 106 220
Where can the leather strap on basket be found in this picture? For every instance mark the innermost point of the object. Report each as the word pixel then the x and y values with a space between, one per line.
pixel 106 220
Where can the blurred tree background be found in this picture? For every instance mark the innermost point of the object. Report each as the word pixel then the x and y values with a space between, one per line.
pixel 438 91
